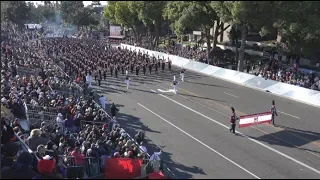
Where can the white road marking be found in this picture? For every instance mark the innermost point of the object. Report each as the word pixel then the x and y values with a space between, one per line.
pixel 289 114
pixel 169 90
pixel 153 90
pixel 200 142
pixel 253 140
pixel 231 95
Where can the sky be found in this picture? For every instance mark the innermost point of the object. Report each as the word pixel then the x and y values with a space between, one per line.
pixel 86 3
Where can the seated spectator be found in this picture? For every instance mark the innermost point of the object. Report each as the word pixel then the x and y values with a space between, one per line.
pixel 21 169
pixel 35 139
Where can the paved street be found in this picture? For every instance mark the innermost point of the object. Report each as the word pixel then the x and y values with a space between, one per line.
pixel 192 127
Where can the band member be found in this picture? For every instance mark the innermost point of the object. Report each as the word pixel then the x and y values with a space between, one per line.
pixel 127 70
pixel 99 80
pixel 102 100
pixel 105 74
pixel 150 68
pixel 159 63
pixel 122 69
pixel 274 111
pixel 127 81
pixel 137 70
pixel 156 68
pixel 132 66
pixel 111 70
pixel 169 65
pixel 116 71
pixel 174 84
pixel 144 69
pixel 163 65
pixel 89 79
pixel 233 119
pixel 182 74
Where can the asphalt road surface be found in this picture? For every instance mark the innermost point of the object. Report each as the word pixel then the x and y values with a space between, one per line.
pixel 192 127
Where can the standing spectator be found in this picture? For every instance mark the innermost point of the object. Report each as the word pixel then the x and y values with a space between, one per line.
pixel 47 169
pixel 35 139
pixel 113 110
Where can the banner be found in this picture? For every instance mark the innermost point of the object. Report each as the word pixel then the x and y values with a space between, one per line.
pixel 253 119
pixel 115 30
pixel 122 168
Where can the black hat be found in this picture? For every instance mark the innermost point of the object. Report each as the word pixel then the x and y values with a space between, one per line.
pixel 11 149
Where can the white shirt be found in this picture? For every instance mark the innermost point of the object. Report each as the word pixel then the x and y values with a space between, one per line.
pixel 143 148
pixel 102 100
pixel 156 156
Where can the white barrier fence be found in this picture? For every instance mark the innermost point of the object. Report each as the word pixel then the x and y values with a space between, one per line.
pixel 300 94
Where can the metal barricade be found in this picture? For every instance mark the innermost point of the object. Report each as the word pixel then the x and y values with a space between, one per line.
pixel 37 114
pixel 21 71
pixel 90 166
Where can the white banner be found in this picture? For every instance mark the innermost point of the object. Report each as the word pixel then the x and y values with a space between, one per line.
pixel 115 31
pixel 253 119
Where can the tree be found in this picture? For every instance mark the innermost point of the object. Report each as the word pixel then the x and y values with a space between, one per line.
pixel 193 15
pixel 245 15
pixel 69 10
pixel 15 11
pixel 298 24
pixel 74 12
pixel 123 13
pixel 151 12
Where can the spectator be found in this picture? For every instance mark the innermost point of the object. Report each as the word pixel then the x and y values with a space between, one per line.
pixel 35 139
pixel 41 150
pixel 78 157
pixel 113 110
pixel 47 169
pixel 20 169
pixel 10 151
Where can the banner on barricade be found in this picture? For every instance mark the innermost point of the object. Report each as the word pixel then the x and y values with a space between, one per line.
pixel 253 119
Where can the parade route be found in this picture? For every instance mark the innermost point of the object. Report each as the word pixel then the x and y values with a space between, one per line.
pixel 192 127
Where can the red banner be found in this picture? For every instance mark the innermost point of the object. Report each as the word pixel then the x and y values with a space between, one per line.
pixel 122 168
pixel 253 119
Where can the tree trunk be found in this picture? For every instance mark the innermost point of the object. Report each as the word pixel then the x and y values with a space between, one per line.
pixel 216 34
pixel 242 47
pixel 207 34
pixel 157 26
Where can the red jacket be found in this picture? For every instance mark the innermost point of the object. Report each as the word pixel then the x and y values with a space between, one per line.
pixel 233 119
pixel 78 158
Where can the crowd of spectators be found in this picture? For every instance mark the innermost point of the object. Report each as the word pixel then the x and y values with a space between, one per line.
pixel 274 69
pixel 277 71
pixel 78 132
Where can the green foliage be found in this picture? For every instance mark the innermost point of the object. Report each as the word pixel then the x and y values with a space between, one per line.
pixel 74 12
pixel 298 24
pixel 17 12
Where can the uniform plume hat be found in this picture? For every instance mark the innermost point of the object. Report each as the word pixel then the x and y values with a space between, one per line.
pixel 232 109
pixel 273 102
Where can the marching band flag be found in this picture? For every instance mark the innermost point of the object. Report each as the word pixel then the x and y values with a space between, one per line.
pixel 253 119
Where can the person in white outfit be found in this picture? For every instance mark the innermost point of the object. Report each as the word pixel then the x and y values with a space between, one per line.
pixel 182 74
pixel 60 123
pixel 102 100
pixel 127 81
pixel 174 84
pixel 89 79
